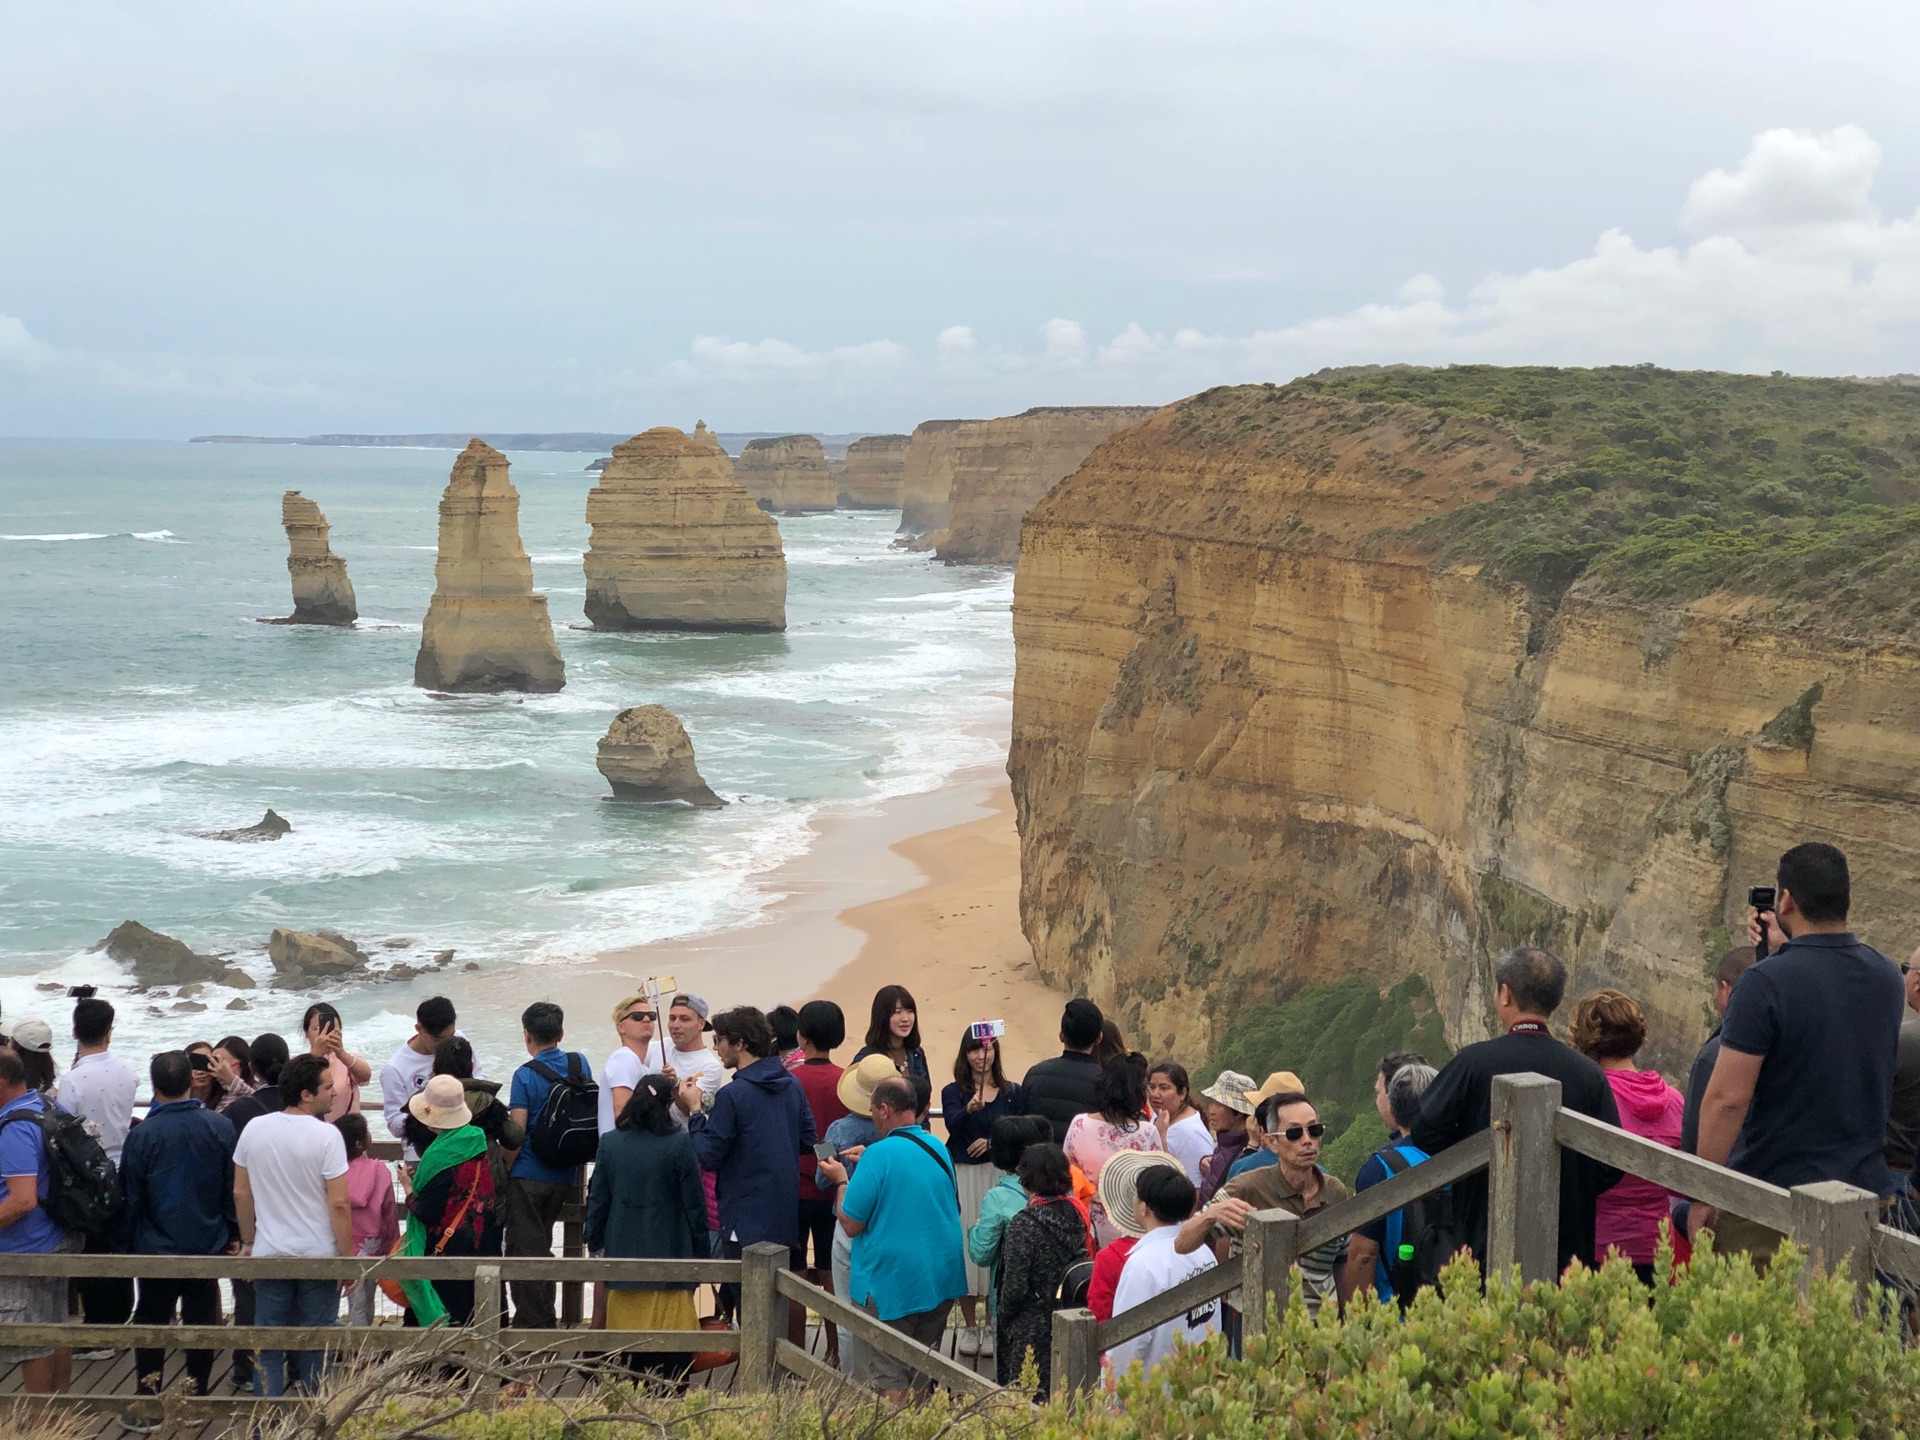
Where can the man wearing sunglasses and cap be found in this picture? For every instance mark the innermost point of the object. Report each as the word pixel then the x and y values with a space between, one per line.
pixel 1289 1127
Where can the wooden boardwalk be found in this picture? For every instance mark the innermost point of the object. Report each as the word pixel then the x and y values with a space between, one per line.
pixel 115 1377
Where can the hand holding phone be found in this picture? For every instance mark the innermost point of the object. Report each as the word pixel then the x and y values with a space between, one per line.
pixel 823 1150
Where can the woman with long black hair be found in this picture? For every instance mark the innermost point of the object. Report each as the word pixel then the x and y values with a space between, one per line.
pixel 894 1031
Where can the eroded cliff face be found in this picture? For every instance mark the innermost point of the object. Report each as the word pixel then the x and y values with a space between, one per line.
pixel 1002 467
pixel 1260 742
pixel 322 593
pixel 788 475
pixel 677 545
pixel 872 476
pixel 485 628
pixel 926 476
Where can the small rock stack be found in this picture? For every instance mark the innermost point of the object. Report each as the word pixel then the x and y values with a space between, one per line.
pixel 322 594
pixel 788 475
pixel 646 755
pixel 876 465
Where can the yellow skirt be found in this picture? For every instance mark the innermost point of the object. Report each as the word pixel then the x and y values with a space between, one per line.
pixel 651 1310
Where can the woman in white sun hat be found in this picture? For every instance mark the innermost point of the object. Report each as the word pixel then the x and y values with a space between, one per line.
pixel 1118 1179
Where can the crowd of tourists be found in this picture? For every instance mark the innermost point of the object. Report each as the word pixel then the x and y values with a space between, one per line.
pixel 1099 1178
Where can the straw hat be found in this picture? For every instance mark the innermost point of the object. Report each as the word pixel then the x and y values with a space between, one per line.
pixel 857 1082
pixel 1233 1090
pixel 441 1104
pixel 1119 1179
pixel 1278 1083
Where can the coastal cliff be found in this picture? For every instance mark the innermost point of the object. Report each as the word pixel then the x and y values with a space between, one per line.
pixel 322 593
pixel 485 629
pixel 871 479
pixel 1363 679
pixel 677 545
pixel 788 474
pixel 966 484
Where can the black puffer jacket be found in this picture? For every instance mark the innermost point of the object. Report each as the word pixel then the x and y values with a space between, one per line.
pixel 1060 1089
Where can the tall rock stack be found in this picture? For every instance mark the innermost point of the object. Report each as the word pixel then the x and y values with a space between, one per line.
pixel 926 476
pixel 788 475
pixel 876 464
pixel 322 594
pixel 677 545
pixel 485 628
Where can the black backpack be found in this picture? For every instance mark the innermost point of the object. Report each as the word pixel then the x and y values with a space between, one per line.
pixel 83 1189
pixel 1430 1234
pixel 1075 1281
pixel 566 1132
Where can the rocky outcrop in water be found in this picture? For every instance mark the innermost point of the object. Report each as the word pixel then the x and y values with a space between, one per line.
pixel 485 628
pixel 677 545
pixel 875 467
pixel 646 755
pixel 301 957
pixel 158 959
pixel 322 594
pixel 968 483
pixel 1264 739
pixel 787 475
pixel 270 826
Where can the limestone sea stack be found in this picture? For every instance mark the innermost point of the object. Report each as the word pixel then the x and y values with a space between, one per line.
pixel 322 594
pixel 992 471
pixel 646 755
pixel 875 466
pixel 677 545
pixel 485 628
pixel 788 475
pixel 1360 680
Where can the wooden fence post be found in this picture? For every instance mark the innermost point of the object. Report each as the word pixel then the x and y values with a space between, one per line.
pixel 484 1350
pixel 1267 1253
pixel 1835 1221
pixel 1523 1178
pixel 763 1316
pixel 1076 1352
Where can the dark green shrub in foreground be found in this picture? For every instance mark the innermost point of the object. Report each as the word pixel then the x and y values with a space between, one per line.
pixel 1723 1354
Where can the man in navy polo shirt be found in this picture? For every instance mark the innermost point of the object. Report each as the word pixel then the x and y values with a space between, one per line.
pixel 1804 1080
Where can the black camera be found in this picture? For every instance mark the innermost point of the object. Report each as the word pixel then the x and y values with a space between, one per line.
pixel 1760 897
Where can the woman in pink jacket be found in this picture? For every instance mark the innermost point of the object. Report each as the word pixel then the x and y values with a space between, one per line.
pixel 1608 1028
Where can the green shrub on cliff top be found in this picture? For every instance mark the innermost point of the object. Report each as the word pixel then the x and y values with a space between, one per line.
pixel 1668 485
pixel 1723 1354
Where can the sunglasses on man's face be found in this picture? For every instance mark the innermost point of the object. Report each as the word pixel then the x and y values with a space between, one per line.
pixel 638 1015
pixel 1293 1133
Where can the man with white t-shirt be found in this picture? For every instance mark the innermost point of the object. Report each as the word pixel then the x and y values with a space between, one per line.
pixel 689 1056
pixel 100 1089
pixel 640 1053
pixel 290 1195
pixel 1165 1199
pixel 406 1071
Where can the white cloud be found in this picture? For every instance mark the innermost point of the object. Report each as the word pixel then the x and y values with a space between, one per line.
pixel 25 357
pixel 714 359
pixel 1790 266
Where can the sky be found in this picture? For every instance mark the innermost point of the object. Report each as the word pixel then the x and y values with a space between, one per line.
pixel 288 218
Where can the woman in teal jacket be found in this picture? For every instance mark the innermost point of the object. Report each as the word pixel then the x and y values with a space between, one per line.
pixel 1010 1137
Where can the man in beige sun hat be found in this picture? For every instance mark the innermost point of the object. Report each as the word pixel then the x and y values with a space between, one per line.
pixel 1119 1179
pixel 1229 1102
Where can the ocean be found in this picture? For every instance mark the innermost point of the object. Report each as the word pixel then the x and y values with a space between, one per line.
pixel 142 705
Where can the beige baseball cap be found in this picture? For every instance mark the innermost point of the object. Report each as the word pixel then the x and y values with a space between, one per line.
pixel 28 1033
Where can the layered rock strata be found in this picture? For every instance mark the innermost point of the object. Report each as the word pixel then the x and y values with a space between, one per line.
pixel 322 593
pixel 874 470
pixel 646 755
pixel 926 476
pixel 1263 740
pixel 787 475
pixel 677 545
pixel 485 628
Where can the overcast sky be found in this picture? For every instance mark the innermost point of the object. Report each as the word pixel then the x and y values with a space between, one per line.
pixel 284 218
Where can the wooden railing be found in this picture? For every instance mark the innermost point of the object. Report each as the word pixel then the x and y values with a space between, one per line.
pixel 1520 1152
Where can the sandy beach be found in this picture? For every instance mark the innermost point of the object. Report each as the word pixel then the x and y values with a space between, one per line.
pixel 922 891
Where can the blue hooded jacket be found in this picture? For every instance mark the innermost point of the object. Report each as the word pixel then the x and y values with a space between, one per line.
pixel 759 1124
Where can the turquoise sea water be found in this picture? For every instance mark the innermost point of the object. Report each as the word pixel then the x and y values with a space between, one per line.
pixel 140 703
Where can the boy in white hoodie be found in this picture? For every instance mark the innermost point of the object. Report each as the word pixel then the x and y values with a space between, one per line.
pixel 1165 1199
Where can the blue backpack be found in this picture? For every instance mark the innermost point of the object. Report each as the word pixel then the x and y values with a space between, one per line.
pixel 1422 1235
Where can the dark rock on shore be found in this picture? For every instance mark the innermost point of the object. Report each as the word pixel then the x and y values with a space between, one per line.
pixel 270 826
pixel 159 959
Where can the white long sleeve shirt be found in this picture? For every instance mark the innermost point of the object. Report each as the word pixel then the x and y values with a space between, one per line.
pixel 1154 1267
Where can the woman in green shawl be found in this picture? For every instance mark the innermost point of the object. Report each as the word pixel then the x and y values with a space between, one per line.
pixel 452 1208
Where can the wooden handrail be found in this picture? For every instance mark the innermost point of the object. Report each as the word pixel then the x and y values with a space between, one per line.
pixel 1376 1202
pixel 1680 1172
pixel 882 1336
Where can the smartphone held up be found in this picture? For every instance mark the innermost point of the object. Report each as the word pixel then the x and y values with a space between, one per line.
pixel 1761 899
